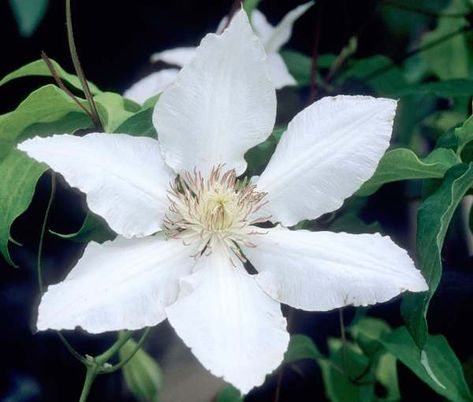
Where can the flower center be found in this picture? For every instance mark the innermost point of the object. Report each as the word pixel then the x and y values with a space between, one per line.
pixel 219 207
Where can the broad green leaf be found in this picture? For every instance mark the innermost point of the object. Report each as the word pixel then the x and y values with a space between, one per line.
pixel 114 109
pixel 338 386
pixel 351 222
pixel 446 89
pixel 437 365
pixel 403 164
pixel 142 374
pixel 39 68
pixel 386 374
pixel 139 124
pixel 94 228
pixel 378 72
pixel 302 347
pixel 367 333
pixel 150 102
pixel 229 394
pixel 464 134
pixel 19 175
pixel 300 65
pixel 259 156
pixel 433 220
pixel 451 58
pixel 46 111
pixel 28 14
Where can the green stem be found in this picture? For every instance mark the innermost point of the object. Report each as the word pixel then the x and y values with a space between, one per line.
pixel 39 268
pixel 118 366
pixel 90 376
pixel 344 343
pixel 77 66
pixel 113 350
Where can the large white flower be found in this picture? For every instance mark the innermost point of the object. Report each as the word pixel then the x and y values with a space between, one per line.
pixel 272 37
pixel 187 225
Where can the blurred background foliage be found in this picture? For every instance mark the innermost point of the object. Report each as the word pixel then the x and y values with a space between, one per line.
pixel 420 52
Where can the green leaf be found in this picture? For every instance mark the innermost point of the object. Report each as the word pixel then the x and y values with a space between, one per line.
pixel 229 394
pixel 139 124
pixel 142 374
pixel 302 347
pixel 338 386
pixel 437 365
pixel 19 177
pixel 403 164
pixel 445 89
pixel 300 65
pixel 386 374
pixel 433 220
pixel 94 228
pixel 464 134
pixel 28 14
pixel 451 58
pixel 258 156
pixel 114 110
pixel 367 333
pixel 46 111
pixel 39 68
pixel 376 71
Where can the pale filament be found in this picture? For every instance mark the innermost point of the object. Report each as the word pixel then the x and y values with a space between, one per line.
pixel 219 207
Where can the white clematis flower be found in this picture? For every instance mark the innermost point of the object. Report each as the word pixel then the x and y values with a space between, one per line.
pixel 186 224
pixel 272 37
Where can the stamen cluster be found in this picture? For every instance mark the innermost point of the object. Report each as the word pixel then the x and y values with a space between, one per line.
pixel 219 207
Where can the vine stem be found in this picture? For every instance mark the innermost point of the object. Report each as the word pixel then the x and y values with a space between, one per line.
pixel 90 376
pixel 118 366
pixel 78 67
pixel 61 85
pixel 113 350
pixel 344 342
pixel 39 268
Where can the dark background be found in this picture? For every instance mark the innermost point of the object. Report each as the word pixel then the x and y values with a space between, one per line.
pixel 114 41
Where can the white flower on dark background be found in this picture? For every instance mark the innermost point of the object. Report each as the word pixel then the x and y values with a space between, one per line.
pixel 187 223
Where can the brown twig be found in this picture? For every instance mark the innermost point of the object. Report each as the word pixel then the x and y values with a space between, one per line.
pixel 79 70
pixel 61 85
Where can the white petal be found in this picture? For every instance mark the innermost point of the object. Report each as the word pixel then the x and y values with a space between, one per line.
pixel 261 26
pixel 222 25
pixel 151 85
pixel 124 177
pixel 283 31
pixel 220 105
pixel 329 149
pixel 122 284
pixel 278 71
pixel 180 56
pixel 231 325
pixel 319 271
